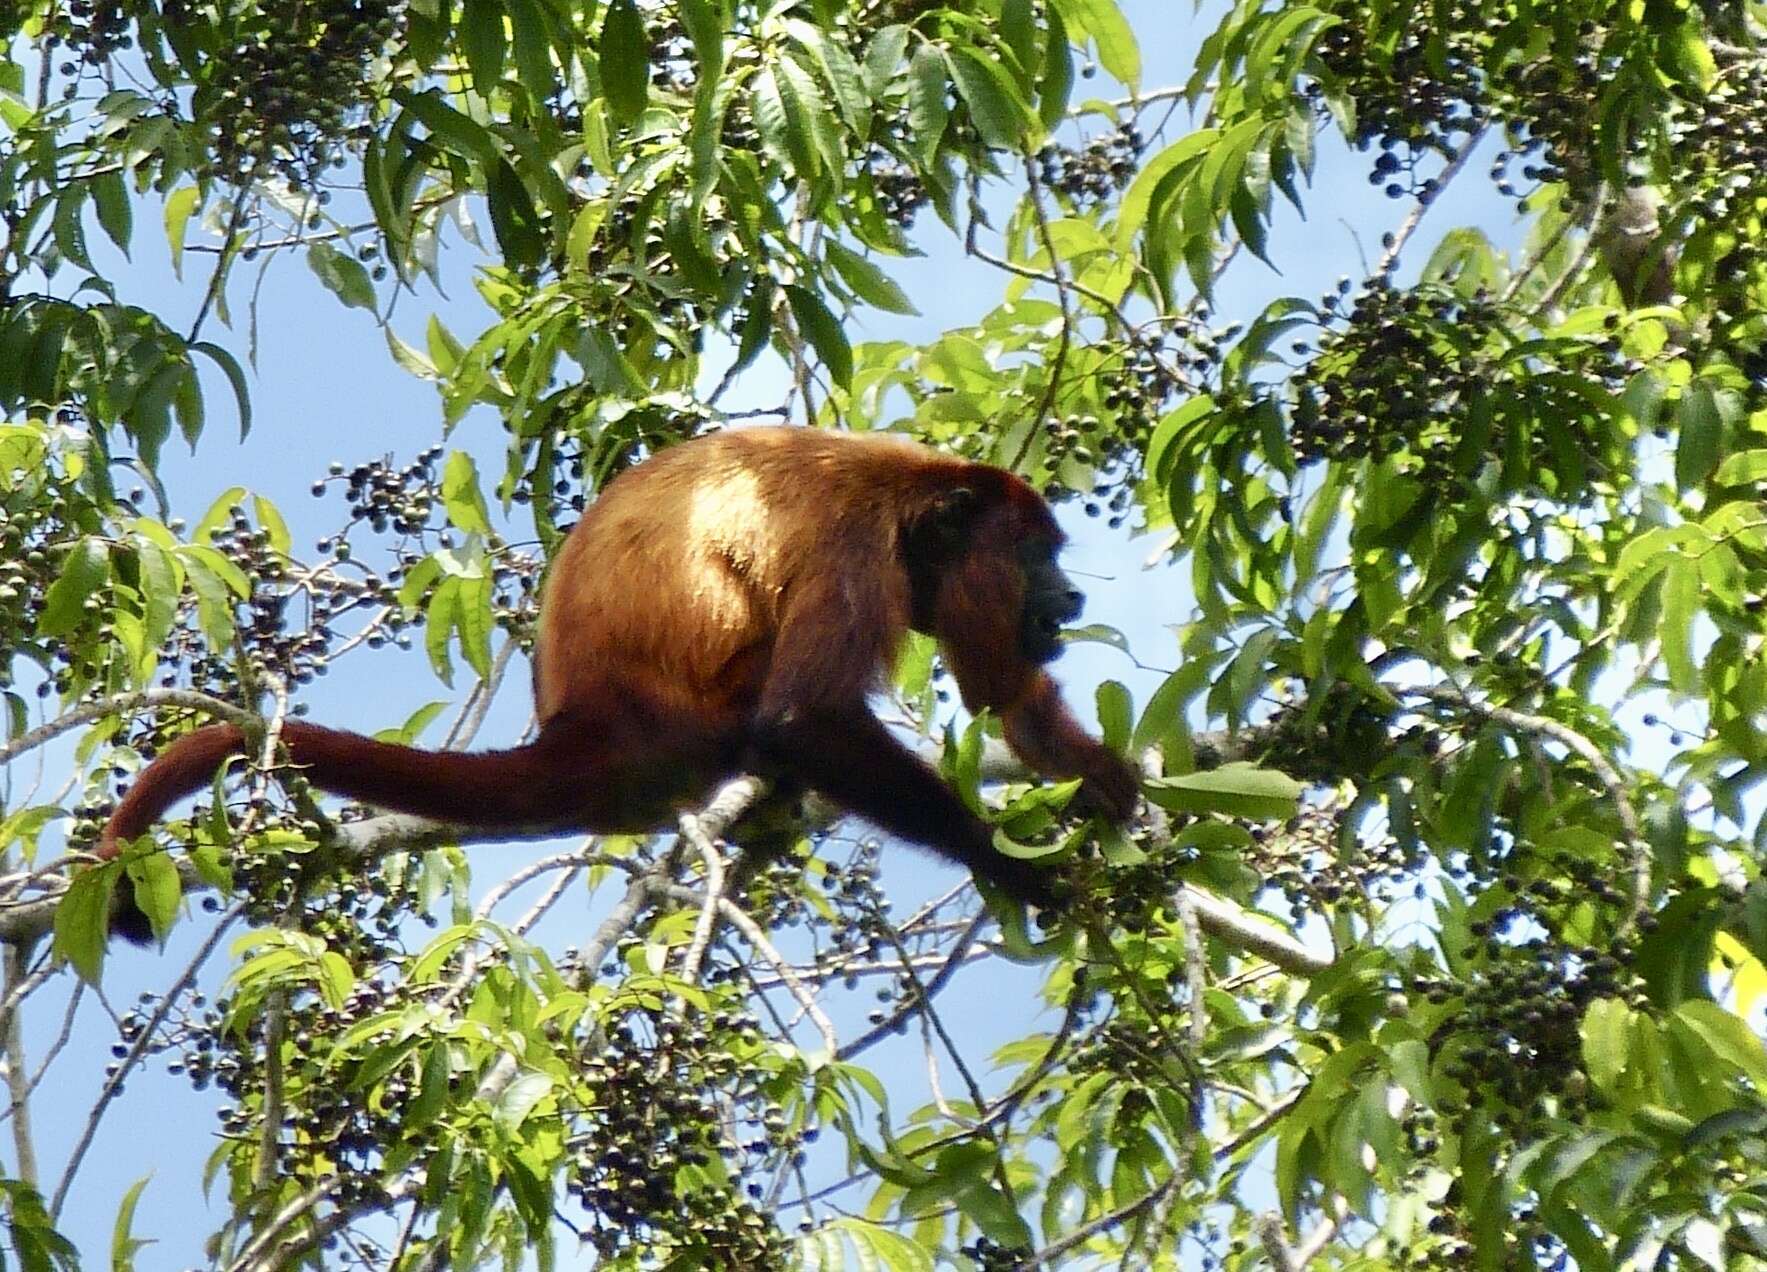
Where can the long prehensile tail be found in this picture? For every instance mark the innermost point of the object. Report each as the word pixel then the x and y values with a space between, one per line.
pixel 516 790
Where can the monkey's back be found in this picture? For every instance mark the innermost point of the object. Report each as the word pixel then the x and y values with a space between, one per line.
pixel 678 573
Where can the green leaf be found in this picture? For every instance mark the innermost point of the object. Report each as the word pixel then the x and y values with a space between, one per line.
pixel 757 325
pixel 481 36
pixel 270 519
pixel 1116 712
pixel 1162 722
pixel 927 111
pixel 417 581
pixel 343 275
pixel 1056 84
pixel 1681 605
pixel 513 218
pixel 704 21
pixel 68 227
pixel 82 920
pixel 1157 177
pixel 883 56
pixel 221 568
pixel 770 119
pixel 1233 790
pixel 1104 23
pixel 124 1245
pixel 869 283
pixel 235 378
pixel 1745 468
pixel 625 61
pixel 158 890
pixel 1000 113
pixel 187 403
pixel 439 626
pixel 409 358
pixel 214 604
pixel 824 332
pixel 1690 60
pixel 519 1098
pixel 475 620
pixel 888 1250
pixel 1702 434
pixel 115 210
pixel 811 134
pixel 149 416
pixel 219 513
pixel 161 581
pixel 179 206
pixel 990 1210
pixel 533 46
pixel 839 69
pixel 83 572
pixel 1605 1030
pixel 461 495
pixel 1729 1036
pixel 443 347
pixel 1018 32
pixel 453 131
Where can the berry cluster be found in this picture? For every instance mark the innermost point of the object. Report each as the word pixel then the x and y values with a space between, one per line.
pixel 990 1256
pixel 1512 1040
pixel 406 502
pixel 1451 1239
pixel 292 90
pixel 1411 376
pixel 1554 116
pixel 1390 376
pixel 1422 96
pixel 334 1131
pixel 1304 860
pixel 901 194
pixel 653 1124
pixel 359 908
pixel 387 498
pixel 43 512
pixel 90 30
pixel 1139 380
pixel 1095 172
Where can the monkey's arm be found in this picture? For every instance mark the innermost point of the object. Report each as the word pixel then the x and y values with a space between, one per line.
pixel 849 756
pixel 1044 734
pixel 812 724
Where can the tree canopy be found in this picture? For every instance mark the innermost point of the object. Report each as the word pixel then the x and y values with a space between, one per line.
pixel 1441 941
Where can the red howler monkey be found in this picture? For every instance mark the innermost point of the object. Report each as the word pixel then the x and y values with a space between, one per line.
pixel 725 607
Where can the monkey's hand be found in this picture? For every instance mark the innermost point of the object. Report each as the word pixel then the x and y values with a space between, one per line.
pixel 1043 734
pixel 1109 785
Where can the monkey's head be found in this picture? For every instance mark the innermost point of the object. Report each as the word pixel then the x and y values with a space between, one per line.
pixel 982 558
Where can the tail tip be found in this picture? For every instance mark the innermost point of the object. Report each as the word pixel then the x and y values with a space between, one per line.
pixel 128 920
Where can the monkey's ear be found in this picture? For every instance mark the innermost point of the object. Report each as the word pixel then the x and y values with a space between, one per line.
pixel 943 524
pixel 956 506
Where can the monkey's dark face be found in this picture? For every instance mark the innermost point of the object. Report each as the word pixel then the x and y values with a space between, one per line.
pixel 1051 601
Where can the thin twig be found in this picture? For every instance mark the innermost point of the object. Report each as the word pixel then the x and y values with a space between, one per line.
pixel 959 955
pixel 1058 363
pixel 1425 201
pixel 136 1053
pixel 17 1079
pixel 123 703
pixel 757 938
pixel 694 832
